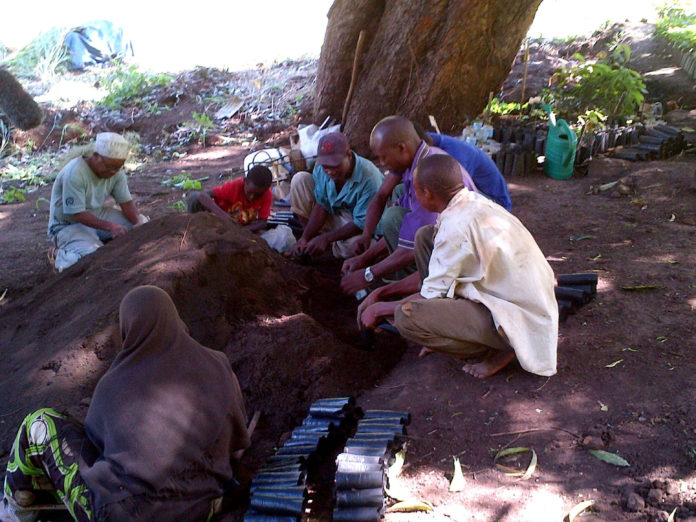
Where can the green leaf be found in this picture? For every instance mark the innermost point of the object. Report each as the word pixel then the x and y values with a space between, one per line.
pixel 641 288
pixel 609 458
pixel 457 483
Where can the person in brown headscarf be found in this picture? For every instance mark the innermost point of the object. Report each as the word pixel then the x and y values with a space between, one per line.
pixel 162 427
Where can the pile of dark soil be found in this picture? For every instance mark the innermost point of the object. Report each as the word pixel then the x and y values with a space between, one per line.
pixel 232 291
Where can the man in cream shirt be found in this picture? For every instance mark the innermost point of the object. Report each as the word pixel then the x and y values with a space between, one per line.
pixel 487 290
pixel 79 220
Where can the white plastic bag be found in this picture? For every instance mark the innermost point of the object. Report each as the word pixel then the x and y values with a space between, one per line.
pixel 280 238
pixel 309 139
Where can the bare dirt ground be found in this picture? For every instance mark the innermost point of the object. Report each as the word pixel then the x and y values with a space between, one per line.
pixel 626 360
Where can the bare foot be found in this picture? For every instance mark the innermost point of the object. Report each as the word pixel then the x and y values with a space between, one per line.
pixel 424 351
pixel 491 364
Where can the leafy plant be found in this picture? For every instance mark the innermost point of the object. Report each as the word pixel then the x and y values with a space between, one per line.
pixel 605 86
pixel 178 206
pixel 677 26
pixel 184 182
pixel 526 111
pixel 199 127
pixel 12 195
pixel 125 84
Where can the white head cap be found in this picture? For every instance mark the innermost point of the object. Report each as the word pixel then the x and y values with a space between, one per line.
pixel 111 145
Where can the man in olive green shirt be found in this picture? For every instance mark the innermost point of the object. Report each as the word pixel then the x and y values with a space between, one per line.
pixel 79 221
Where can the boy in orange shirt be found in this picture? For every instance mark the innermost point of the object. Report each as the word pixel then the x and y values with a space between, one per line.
pixel 246 201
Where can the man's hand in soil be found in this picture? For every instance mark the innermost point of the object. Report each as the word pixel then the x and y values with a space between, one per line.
pixel 352 264
pixel 299 248
pixel 117 230
pixel 353 281
pixel 362 244
pixel 374 314
pixel 318 245
pixel 372 298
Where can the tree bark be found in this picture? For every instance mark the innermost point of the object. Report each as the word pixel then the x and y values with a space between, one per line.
pixel 420 57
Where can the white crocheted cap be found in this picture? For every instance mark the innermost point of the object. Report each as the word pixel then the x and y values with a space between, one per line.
pixel 111 145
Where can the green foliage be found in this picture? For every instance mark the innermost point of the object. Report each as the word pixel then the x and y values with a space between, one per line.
pixel 525 111
pixel 606 86
pixel 126 85
pixel 4 137
pixel 184 182
pixel 199 127
pixel 43 57
pixel 677 26
pixel 12 195
pixel 178 206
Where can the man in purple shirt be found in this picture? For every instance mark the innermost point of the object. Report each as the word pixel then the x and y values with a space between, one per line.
pixel 398 148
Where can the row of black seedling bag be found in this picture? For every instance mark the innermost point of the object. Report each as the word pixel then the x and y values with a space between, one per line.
pixel 361 470
pixel 278 491
pixel 574 291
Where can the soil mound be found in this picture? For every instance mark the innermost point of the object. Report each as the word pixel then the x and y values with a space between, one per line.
pixel 231 290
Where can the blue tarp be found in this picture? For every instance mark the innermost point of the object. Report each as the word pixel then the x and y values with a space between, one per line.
pixel 97 42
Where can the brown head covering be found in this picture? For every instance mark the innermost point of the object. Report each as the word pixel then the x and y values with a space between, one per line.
pixel 167 415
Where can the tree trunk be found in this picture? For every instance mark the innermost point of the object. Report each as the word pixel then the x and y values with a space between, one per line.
pixel 420 57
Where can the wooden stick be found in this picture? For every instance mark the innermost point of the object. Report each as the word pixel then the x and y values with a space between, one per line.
pixel 533 430
pixel 524 76
pixel 433 122
pixel 237 455
pixel 353 76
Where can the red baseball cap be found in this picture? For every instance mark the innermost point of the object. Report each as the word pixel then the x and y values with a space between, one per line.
pixel 333 147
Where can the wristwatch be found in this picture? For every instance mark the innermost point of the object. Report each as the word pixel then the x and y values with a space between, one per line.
pixel 369 276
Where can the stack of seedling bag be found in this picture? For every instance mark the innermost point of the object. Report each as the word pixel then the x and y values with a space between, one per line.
pixel 574 291
pixel 278 492
pixel 361 473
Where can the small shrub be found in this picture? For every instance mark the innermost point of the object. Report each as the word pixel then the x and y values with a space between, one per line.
pixel 606 86
pixel 178 206
pixel 199 127
pixel 12 195
pixel 127 85
pixel 184 182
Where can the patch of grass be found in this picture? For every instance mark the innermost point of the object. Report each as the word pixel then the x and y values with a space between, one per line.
pixel 128 86
pixel 43 57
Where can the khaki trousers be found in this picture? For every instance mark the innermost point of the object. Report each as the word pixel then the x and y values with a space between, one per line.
pixel 302 202
pixel 455 326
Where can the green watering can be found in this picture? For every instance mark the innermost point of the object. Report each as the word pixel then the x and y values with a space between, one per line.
pixel 561 143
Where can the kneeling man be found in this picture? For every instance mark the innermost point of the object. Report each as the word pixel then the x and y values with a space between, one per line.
pixel 332 201
pixel 79 220
pixel 487 288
